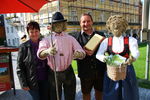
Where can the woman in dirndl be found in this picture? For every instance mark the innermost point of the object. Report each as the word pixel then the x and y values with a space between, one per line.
pixel 127 88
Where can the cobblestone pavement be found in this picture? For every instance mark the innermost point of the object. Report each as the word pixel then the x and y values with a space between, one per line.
pixel 24 95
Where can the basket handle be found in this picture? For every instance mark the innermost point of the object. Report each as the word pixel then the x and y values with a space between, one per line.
pixel 120 67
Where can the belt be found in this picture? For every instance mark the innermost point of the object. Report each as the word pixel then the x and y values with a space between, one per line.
pixel 68 69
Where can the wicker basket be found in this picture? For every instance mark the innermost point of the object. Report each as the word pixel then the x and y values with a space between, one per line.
pixel 116 72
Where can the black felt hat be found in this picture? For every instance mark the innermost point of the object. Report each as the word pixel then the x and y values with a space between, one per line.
pixel 58 17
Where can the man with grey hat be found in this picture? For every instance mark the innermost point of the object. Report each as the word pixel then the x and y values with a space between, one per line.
pixel 60 48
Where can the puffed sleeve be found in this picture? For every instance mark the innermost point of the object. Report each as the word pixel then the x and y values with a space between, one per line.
pixel 102 49
pixel 133 46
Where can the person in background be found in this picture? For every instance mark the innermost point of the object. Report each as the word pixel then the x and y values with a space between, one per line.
pixel 90 70
pixel 127 47
pixel 48 31
pixel 24 38
pixel 33 72
pixel 135 36
pixel 60 48
pixel 49 27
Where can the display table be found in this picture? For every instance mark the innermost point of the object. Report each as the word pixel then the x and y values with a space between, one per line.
pixel 6 69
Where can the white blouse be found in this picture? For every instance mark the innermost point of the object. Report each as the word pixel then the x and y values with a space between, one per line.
pixel 118 47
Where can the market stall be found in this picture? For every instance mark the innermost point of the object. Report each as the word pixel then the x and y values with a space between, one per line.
pixel 6 69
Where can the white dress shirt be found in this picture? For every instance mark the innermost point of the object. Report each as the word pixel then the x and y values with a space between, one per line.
pixel 118 47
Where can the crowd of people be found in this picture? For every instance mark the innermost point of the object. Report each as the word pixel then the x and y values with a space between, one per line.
pixel 44 64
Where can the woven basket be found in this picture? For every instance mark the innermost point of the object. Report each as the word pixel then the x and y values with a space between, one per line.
pixel 116 72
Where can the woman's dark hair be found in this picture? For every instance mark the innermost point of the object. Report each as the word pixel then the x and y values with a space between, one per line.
pixel 33 25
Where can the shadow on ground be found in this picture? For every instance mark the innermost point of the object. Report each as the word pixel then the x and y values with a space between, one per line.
pixel 20 95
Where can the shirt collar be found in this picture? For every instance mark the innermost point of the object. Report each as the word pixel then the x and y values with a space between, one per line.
pixel 61 34
pixel 82 32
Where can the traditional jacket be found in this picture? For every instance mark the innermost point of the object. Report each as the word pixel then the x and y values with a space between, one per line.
pixel 89 66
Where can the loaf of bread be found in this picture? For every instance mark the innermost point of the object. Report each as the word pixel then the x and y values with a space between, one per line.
pixel 94 42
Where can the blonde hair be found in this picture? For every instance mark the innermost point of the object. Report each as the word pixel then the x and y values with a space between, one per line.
pixel 120 18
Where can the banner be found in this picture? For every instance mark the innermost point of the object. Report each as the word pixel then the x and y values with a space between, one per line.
pixel 5 80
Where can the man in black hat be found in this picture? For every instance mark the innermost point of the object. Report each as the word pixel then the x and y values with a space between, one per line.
pixel 60 48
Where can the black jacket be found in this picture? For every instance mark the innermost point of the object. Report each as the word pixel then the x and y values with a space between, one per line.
pixel 26 66
pixel 89 66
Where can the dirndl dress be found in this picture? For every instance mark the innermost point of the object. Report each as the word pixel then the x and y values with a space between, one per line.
pixel 126 89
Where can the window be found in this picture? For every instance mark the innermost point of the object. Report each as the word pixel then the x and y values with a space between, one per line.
pixel 111 3
pixel 17 28
pixel 13 41
pixel 120 3
pixel 22 28
pixel 102 0
pixel 102 17
pixel 73 13
pixel 7 29
pixel 74 16
pixel 12 30
pixel 90 12
pixel 9 43
pixel 127 1
pixel 17 41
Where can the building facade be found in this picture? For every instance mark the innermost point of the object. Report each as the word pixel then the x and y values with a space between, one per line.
pixel 13 29
pixel 2 30
pixel 100 10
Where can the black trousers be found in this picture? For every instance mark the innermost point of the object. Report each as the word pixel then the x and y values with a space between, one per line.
pixel 66 81
pixel 44 90
pixel 43 93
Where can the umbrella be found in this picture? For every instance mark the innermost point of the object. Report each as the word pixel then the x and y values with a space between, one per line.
pixel 21 6
pixel 26 6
